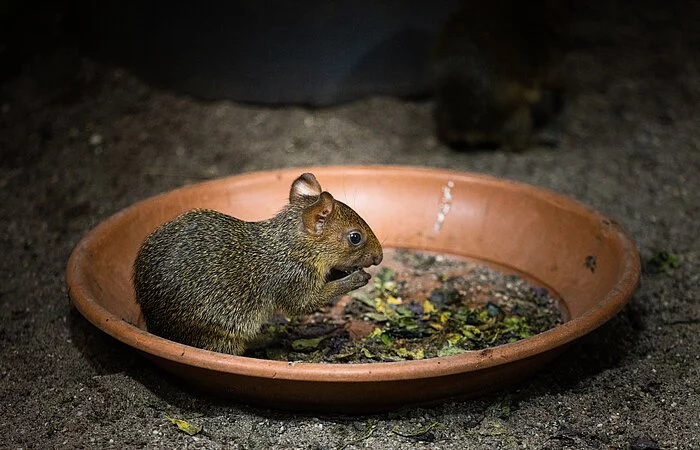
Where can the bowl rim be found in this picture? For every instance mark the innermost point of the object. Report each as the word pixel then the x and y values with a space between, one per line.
pixel 609 305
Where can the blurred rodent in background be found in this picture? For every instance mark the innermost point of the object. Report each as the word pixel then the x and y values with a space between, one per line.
pixel 497 72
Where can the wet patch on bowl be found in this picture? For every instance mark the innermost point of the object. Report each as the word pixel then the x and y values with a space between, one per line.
pixel 418 305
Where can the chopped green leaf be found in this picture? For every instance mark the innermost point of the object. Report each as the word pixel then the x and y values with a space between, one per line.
pixel 185 426
pixel 364 298
pixel 420 431
pixel 369 431
pixel 307 344
pixel 449 350
pixel 404 312
pixel 377 317
pixel 664 262
pixel 367 353
pixel 386 339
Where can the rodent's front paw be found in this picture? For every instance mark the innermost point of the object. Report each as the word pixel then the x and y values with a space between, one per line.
pixel 358 278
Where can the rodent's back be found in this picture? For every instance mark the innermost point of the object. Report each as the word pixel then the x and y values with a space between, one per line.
pixel 198 273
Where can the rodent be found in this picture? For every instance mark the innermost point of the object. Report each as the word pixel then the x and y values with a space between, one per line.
pixel 210 280
pixel 497 72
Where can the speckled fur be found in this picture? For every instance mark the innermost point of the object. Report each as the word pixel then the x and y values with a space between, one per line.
pixel 210 280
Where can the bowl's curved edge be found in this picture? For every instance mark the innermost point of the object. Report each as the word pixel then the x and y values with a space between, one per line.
pixel 352 397
pixel 368 372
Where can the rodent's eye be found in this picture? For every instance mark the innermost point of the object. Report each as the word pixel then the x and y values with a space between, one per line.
pixel 355 237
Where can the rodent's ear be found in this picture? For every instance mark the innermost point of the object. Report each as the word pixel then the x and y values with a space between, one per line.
pixel 316 215
pixel 303 187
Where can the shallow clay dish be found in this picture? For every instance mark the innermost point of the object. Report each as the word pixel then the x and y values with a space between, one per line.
pixel 545 236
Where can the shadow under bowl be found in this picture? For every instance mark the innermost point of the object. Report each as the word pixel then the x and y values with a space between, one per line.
pixel 548 237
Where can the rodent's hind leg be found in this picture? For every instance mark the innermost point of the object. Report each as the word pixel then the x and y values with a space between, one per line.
pixel 232 346
pixel 219 340
pixel 517 130
pixel 550 103
pixel 547 128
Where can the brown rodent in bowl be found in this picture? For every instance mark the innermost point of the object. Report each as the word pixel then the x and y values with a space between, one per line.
pixel 210 280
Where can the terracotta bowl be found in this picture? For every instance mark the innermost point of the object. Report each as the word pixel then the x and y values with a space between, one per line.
pixel 546 236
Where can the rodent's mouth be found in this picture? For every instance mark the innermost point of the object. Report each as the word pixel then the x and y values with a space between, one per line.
pixel 336 273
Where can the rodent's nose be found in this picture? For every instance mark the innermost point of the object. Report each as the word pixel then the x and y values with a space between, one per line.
pixel 377 259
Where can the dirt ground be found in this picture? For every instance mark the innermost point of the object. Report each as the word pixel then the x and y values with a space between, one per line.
pixel 81 139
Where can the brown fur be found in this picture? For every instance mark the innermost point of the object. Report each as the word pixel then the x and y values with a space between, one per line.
pixel 210 280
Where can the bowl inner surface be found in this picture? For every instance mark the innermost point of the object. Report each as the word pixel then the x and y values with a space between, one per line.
pixel 540 234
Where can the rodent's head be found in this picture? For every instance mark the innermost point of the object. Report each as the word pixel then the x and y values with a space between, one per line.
pixel 343 240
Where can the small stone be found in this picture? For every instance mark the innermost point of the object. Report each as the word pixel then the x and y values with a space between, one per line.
pixel 644 443
pixel 95 140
